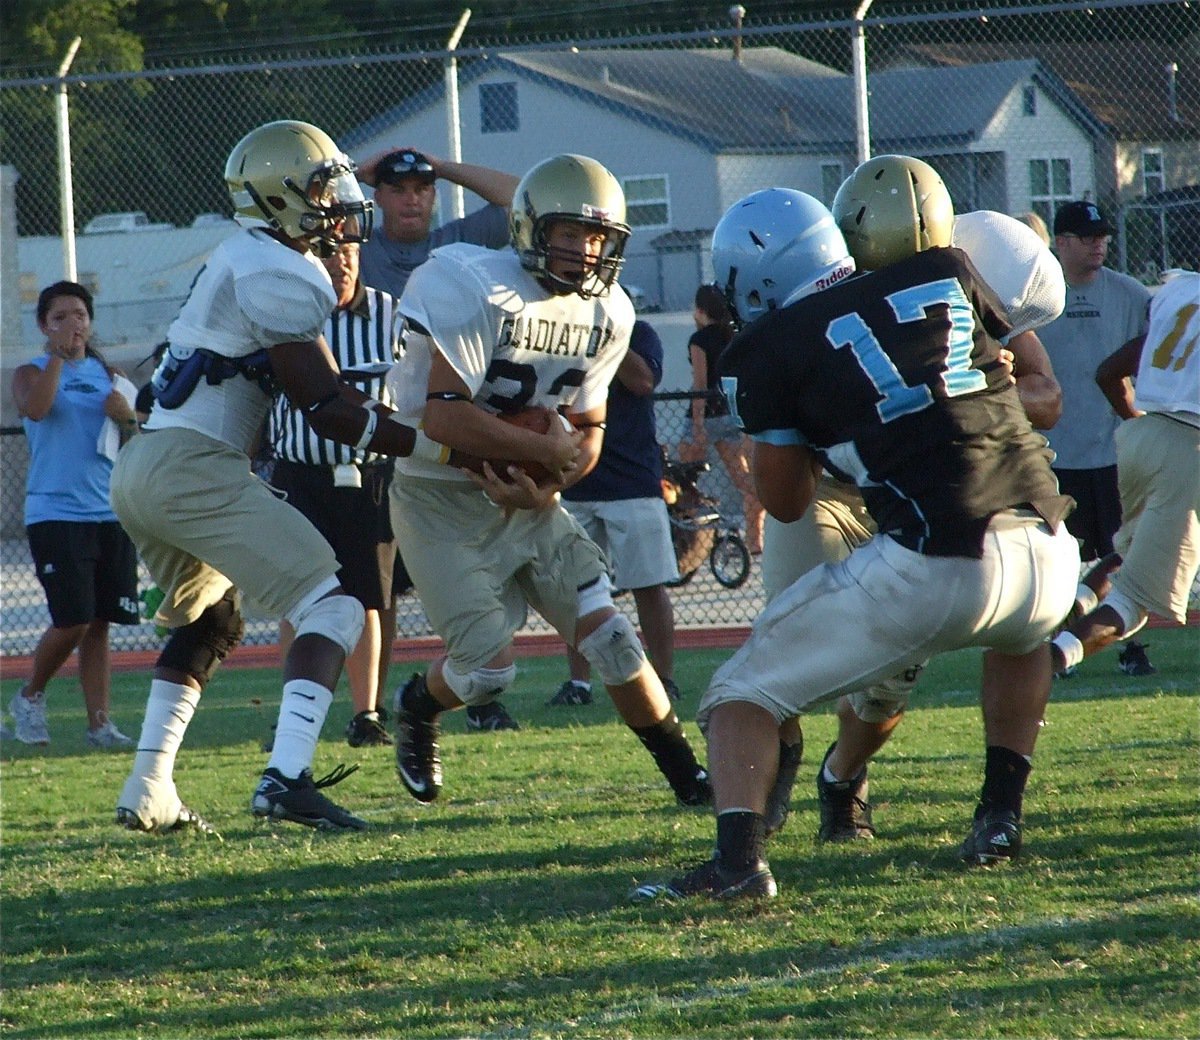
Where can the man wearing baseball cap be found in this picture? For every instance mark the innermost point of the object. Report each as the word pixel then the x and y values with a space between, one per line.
pixel 1104 310
pixel 404 180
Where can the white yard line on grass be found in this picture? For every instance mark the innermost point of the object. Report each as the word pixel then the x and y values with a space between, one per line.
pixel 878 958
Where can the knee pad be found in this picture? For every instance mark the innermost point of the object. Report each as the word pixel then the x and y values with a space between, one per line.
pixel 1132 616
pixel 885 700
pixel 614 650
pixel 595 596
pixel 338 618
pixel 197 648
pixel 480 685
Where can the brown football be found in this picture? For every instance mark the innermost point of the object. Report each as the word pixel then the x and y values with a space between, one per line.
pixel 534 418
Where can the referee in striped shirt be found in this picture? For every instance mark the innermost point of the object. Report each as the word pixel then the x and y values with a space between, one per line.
pixel 344 490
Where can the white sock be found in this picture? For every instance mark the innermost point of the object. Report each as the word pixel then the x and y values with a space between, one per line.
pixel 169 709
pixel 1071 649
pixel 301 716
pixel 827 775
pixel 583 684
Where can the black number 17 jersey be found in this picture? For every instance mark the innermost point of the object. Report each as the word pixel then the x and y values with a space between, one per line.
pixel 893 377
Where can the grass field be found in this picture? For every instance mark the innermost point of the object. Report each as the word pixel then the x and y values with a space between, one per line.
pixel 502 910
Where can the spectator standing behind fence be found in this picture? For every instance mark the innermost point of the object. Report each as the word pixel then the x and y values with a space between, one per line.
pixel 620 505
pixel 711 421
pixel 405 192
pixel 1159 462
pixel 1104 310
pixel 75 415
pixel 343 489
pixel 404 181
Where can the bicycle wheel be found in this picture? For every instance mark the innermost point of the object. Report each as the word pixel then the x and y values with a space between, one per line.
pixel 730 560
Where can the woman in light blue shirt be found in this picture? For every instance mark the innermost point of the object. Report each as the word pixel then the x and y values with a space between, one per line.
pixel 86 563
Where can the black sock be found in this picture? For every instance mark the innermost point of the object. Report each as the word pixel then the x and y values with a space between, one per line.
pixel 1004 777
pixel 418 701
pixel 672 753
pixel 741 836
pixel 790 755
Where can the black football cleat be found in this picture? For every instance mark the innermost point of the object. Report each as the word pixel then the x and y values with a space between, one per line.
pixel 714 881
pixel 366 730
pixel 300 800
pixel 995 838
pixel 418 758
pixel 845 811
pixel 489 718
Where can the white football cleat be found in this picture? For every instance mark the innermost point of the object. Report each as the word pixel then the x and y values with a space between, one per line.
pixel 155 807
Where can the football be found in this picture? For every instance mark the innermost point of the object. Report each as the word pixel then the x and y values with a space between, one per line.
pixel 533 418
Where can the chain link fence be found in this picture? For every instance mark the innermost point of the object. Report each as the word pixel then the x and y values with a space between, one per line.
pixel 704 599
pixel 1020 107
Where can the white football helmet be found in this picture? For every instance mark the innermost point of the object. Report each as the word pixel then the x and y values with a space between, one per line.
pixel 775 246
pixel 293 178
pixel 891 207
pixel 570 187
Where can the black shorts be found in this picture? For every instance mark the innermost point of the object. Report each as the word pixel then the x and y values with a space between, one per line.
pixel 1097 514
pixel 354 521
pixel 88 569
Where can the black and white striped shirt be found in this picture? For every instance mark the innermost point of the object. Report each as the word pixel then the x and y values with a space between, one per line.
pixel 363 336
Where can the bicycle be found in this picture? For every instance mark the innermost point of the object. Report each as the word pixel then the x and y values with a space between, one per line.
pixel 698 531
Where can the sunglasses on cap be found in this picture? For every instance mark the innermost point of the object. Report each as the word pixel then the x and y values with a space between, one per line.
pixel 404 164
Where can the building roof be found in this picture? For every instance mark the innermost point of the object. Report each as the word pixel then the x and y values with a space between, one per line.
pixel 1124 82
pixel 768 101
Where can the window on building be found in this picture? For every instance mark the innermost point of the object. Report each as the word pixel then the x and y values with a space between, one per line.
pixel 1152 171
pixel 647 202
pixel 1049 186
pixel 498 109
pixel 1029 101
pixel 831 180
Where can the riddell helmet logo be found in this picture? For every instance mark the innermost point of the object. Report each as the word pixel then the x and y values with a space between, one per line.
pixel 845 271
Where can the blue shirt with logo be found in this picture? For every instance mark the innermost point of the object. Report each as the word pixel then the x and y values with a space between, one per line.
pixel 68 477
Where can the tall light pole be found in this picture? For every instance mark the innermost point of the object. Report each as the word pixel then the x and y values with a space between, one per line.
pixel 453 123
pixel 65 198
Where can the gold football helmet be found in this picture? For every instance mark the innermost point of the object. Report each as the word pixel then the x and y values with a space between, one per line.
pixel 569 187
pixel 292 177
pixel 891 207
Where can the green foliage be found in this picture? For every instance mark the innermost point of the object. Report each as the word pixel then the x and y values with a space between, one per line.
pixel 501 910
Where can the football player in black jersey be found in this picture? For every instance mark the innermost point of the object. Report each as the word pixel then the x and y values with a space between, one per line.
pixel 893 379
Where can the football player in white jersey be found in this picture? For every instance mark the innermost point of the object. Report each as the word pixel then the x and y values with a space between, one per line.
pixel 495 332
pixel 1158 467
pixel 1027 278
pixel 204 525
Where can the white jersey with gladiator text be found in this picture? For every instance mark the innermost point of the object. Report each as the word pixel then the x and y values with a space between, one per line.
pixel 1016 264
pixel 253 293
pixel 1168 377
pixel 511 341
